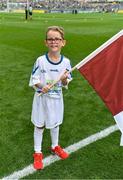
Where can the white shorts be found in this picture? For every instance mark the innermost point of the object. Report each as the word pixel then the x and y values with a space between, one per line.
pixel 47 111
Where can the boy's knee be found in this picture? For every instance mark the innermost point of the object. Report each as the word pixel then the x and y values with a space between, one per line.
pixel 56 127
pixel 40 127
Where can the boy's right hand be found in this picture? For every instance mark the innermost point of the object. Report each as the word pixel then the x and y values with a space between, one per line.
pixel 46 88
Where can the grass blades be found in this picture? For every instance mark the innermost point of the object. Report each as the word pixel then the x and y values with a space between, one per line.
pixel 21 42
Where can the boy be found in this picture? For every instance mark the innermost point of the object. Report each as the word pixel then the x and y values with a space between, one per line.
pixel 47 109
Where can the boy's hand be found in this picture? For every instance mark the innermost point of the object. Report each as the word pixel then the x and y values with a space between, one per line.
pixel 46 88
pixel 64 77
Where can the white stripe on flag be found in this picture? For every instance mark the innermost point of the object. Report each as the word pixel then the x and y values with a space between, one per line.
pixel 98 50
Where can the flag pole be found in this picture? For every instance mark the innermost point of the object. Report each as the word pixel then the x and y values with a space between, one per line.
pixel 99 49
pixel 90 56
pixel 55 82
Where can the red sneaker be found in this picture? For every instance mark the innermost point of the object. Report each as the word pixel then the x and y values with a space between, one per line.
pixel 38 163
pixel 60 152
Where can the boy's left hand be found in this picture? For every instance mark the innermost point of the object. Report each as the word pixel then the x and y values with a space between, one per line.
pixel 64 77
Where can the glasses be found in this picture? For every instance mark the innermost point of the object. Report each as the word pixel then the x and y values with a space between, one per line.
pixel 56 40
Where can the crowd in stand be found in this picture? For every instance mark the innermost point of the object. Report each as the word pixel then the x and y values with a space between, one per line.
pixel 47 4
pixel 3 4
pixel 63 5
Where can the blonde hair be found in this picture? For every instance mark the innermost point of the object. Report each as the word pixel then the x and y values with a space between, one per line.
pixel 56 28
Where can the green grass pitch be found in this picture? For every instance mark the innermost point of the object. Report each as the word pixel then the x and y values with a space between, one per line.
pixel 21 42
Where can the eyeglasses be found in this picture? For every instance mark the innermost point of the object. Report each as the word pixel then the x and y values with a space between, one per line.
pixel 56 40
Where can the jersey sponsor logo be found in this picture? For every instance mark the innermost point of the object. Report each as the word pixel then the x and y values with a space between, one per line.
pixel 55 91
pixel 54 70
pixel 56 87
pixel 43 71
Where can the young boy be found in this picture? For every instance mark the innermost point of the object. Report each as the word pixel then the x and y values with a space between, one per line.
pixel 47 109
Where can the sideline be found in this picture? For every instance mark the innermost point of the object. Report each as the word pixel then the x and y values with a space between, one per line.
pixel 70 149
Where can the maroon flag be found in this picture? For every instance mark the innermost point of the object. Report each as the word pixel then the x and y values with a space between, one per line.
pixel 104 71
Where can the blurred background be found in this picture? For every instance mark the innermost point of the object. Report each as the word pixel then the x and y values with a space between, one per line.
pixel 63 6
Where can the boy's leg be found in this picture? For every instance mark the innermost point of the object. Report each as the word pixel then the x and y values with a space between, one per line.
pixel 38 156
pixel 38 136
pixel 56 149
pixel 54 132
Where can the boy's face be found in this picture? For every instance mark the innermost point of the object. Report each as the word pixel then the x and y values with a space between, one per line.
pixel 54 41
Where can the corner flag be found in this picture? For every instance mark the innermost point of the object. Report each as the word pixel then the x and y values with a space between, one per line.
pixel 103 69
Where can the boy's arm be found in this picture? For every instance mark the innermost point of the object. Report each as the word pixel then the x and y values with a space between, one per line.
pixel 38 85
pixel 67 77
pixel 64 78
pixel 44 89
pixel 35 80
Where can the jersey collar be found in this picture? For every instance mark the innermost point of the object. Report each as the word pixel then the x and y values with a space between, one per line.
pixel 61 59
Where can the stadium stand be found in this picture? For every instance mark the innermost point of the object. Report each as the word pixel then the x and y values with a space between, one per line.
pixel 64 6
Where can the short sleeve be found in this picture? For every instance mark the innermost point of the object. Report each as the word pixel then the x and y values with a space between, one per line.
pixel 69 69
pixel 35 75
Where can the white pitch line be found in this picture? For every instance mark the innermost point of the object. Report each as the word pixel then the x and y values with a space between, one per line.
pixel 70 149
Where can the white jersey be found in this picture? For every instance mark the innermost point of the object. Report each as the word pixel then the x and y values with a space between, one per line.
pixel 30 9
pixel 47 109
pixel 46 71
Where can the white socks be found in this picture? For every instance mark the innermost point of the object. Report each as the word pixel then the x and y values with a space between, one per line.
pixel 54 136
pixel 38 136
